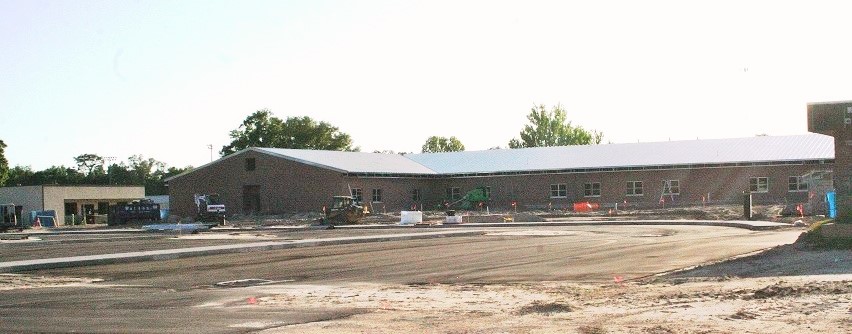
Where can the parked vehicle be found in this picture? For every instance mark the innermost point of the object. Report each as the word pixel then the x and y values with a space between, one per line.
pixel 136 211
pixel 209 208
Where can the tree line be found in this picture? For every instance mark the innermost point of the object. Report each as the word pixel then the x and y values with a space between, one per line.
pixel 545 127
pixel 92 169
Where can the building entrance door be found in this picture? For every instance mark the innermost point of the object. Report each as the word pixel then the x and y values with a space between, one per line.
pixel 251 199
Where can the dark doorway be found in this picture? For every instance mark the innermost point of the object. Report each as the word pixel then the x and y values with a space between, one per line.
pixel 88 213
pixel 251 199
pixel 103 208
pixel 71 208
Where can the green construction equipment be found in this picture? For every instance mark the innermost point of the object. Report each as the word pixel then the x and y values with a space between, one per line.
pixel 476 198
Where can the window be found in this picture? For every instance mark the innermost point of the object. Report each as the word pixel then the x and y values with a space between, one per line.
pixel 634 188
pixel 357 195
pixel 671 187
pixel 592 189
pixel 453 193
pixel 415 195
pixel 377 195
pixel 558 190
pixel 758 184
pixel 250 164
pixel 488 192
pixel 796 183
pixel 103 208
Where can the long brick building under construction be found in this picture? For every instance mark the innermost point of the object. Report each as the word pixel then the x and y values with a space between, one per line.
pixel 714 171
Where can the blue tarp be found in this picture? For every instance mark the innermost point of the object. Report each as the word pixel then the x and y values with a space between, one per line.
pixel 46 218
pixel 831 199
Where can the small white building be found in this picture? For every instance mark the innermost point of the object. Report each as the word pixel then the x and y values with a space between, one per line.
pixel 67 201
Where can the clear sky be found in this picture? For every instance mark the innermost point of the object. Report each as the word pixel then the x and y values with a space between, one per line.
pixel 166 78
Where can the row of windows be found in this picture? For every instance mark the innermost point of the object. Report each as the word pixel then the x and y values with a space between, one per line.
pixel 453 194
pixel 672 187
pixel 761 184
pixel 634 188
pixel 358 195
pixel 593 189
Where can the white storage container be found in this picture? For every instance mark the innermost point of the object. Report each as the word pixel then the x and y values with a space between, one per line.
pixel 411 217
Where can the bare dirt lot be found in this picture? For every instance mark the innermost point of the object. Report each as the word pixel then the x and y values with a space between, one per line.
pixel 584 279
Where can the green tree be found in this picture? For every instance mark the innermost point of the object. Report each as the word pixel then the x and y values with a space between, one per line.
pixel 442 144
pixel 58 175
pixel 21 176
pixel 262 129
pixel 4 164
pixel 552 128
pixel 157 185
pixel 90 165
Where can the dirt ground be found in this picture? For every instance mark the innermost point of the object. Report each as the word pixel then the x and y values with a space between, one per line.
pixel 784 290
pixel 787 289
pixel 799 305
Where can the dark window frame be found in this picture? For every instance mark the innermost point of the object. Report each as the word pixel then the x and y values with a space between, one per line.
pixel 592 189
pixel 635 188
pixel 756 186
pixel 453 193
pixel 559 190
pixel 671 187
pixel 357 194
pixel 796 184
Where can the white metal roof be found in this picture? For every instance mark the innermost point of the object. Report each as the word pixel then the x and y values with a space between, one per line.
pixel 705 151
pixel 352 162
pixel 688 152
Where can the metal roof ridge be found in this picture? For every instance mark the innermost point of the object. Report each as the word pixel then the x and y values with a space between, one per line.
pixel 207 164
pixel 306 162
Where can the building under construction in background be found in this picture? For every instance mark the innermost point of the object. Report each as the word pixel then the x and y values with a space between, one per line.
pixel 639 175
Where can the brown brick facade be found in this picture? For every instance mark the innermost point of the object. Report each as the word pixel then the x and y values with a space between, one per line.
pixel 284 186
pixel 287 186
pixel 724 185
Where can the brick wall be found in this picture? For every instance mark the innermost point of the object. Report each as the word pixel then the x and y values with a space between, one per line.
pixel 724 185
pixel 285 186
pixel 288 186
